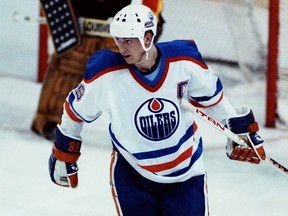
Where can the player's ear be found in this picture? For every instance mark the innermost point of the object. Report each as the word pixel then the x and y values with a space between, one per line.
pixel 148 39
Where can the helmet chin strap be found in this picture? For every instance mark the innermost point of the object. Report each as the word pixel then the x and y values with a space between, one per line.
pixel 145 59
pixel 146 49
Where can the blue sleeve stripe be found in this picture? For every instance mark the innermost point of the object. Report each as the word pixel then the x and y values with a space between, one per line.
pixel 219 88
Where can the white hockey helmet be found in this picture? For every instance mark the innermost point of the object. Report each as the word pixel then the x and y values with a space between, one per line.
pixel 132 22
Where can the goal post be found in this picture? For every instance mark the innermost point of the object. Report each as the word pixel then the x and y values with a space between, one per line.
pixel 272 64
pixel 42 50
pixel 277 65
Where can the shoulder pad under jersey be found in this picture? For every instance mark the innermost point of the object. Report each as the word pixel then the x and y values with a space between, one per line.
pixel 180 48
pixel 104 60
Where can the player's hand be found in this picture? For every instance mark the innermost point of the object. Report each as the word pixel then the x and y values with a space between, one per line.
pixel 246 127
pixel 62 173
pixel 63 168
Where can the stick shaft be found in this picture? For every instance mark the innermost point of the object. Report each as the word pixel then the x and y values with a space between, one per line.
pixel 228 133
pixel 209 120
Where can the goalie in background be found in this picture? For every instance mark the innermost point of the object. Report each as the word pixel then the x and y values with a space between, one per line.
pixel 67 65
pixel 157 148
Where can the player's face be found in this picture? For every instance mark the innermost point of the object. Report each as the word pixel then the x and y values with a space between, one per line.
pixel 130 48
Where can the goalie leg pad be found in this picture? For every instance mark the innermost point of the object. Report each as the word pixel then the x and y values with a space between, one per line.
pixel 62 75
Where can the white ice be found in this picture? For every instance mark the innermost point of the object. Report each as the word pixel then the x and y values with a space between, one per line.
pixel 235 188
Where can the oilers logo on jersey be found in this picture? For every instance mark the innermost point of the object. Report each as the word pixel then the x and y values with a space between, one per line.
pixel 157 119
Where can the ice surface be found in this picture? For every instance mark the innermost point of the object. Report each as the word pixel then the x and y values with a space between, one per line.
pixel 26 190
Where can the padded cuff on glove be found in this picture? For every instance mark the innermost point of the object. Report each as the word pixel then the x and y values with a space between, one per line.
pixel 67 143
pixel 66 148
pixel 244 122
pixel 245 126
pixel 63 156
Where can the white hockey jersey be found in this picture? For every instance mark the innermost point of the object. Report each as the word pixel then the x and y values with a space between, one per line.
pixel 148 126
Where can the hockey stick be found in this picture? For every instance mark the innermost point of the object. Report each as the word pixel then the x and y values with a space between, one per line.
pixel 16 17
pixel 228 133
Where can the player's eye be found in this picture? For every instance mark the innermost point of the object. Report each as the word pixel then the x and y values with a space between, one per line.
pixel 128 41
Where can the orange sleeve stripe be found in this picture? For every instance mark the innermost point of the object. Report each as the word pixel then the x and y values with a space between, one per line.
pixel 70 113
pixel 194 103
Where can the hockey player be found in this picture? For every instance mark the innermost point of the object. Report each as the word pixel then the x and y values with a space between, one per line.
pixel 65 69
pixel 156 164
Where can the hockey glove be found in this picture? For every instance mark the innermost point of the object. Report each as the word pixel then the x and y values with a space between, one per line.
pixel 62 162
pixel 245 126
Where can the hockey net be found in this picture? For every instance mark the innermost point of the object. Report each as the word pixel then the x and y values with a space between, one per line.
pixel 234 33
pixel 223 29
